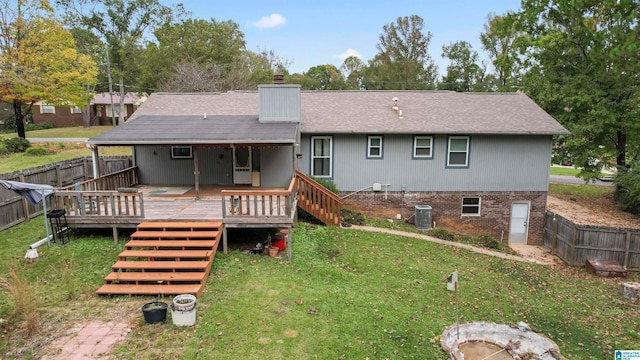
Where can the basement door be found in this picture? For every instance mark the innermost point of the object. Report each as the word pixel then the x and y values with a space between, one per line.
pixel 519 225
pixel 242 165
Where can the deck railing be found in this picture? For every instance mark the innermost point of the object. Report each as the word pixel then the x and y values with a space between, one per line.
pixel 100 203
pixel 107 196
pixel 317 200
pixel 120 179
pixel 259 203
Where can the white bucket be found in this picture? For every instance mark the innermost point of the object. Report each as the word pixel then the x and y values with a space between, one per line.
pixel 183 318
pixel 184 302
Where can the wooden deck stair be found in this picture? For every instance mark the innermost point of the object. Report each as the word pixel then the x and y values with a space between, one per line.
pixel 165 257
pixel 317 200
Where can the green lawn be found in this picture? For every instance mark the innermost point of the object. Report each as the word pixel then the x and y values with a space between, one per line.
pixel 63 132
pixel 347 294
pixel 566 171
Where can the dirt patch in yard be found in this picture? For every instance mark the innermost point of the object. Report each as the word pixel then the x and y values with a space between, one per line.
pixel 600 211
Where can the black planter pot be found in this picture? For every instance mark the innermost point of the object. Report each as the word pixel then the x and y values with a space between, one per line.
pixel 155 312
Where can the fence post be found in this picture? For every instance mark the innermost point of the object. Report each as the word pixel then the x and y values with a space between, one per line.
pixel 554 238
pixel 573 245
pixel 627 249
pixel 58 176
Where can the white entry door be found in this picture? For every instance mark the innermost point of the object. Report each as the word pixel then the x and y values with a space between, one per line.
pixel 242 165
pixel 519 227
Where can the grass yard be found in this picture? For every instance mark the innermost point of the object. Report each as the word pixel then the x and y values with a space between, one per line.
pixel 63 132
pixel 55 152
pixel 347 295
pixel 562 170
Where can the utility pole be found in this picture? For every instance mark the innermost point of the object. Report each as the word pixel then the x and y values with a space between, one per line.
pixel 113 120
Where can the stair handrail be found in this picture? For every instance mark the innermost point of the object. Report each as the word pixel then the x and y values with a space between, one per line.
pixel 322 189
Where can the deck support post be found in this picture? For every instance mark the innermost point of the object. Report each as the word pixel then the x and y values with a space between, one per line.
pixel 115 235
pixel 289 243
pixel 225 248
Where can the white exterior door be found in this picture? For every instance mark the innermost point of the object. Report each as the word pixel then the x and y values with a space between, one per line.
pixel 519 227
pixel 242 165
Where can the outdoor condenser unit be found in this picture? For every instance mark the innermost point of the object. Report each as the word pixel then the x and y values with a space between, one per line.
pixel 422 217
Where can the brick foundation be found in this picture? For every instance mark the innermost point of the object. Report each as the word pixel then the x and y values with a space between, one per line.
pixel 494 216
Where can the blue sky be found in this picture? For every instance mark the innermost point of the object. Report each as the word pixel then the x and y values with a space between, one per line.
pixel 310 33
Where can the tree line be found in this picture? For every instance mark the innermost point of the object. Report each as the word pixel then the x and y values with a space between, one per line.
pixel 577 59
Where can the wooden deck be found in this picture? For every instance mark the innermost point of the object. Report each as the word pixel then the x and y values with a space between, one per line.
pixel 165 258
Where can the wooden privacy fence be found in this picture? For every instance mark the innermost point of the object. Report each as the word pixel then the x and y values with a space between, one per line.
pixel 14 209
pixel 575 243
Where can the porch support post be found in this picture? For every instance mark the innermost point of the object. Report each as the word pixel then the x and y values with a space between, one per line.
pixel 225 248
pixel 115 235
pixel 196 172
pixel 96 161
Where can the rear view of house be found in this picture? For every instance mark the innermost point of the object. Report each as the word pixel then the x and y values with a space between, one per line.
pixel 476 159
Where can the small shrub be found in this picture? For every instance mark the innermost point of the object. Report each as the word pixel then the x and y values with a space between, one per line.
pixel 62 146
pixel 36 151
pixel 627 193
pixel 443 234
pixel 352 217
pixel 3 149
pixel 32 127
pixel 489 241
pixel 328 184
pixel 16 144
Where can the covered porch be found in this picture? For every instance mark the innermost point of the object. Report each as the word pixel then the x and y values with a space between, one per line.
pixel 118 201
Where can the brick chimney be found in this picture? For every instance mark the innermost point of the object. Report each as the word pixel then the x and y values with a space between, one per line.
pixel 278 78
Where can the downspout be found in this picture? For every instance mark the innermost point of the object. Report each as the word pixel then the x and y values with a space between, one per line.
pixel 95 159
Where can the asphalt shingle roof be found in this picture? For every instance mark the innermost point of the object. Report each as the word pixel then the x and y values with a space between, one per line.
pixel 232 116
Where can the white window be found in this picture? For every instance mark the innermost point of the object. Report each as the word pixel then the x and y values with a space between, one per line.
pixel 47 109
pixel 374 146
pixel 76 110
pixel 423 147
pixel 116 110
pixel 458 155
pixel 181 152
pixel 321 152
pixel 470 206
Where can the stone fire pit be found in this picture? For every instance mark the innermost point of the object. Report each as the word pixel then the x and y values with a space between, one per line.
pixel 499 341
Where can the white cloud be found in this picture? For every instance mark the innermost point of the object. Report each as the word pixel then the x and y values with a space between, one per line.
pixel 271 21
pixel 348 53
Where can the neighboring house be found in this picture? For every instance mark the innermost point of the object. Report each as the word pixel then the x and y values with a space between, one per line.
pixel 100 110
pixel 57 116
pixel 479 159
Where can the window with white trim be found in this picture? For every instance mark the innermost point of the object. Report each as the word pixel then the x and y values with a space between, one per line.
pixel 76 110
pixel 321 156
pixel 181 152
pixel 423 147
pixel 47 109
pixel 458 151
pixel 471 206
pixel 374 146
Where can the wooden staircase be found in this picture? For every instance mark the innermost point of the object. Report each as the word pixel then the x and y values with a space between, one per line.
pixel 165 257
pixel 318 200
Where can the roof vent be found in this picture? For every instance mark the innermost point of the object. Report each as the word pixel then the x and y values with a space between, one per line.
pixel 395 104
pixel 204 116
pixel 278 78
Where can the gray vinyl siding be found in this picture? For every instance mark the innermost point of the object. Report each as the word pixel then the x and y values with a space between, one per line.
pixel 214 163
pixel 279 103
pixel 496 163
pixel 275 166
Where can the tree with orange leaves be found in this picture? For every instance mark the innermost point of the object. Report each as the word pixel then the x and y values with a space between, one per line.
pixel 39 61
